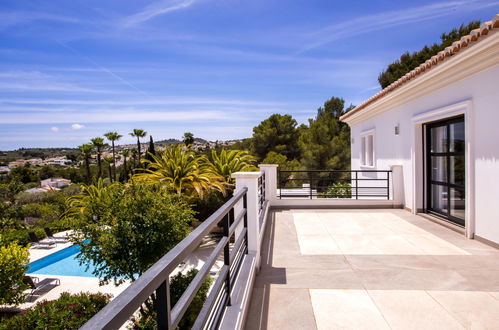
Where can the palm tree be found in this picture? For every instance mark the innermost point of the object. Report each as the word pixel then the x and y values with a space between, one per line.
pixel 230 161
pixel 113 136
pixel 98 143
pixel 87 149
pixel 138 133
pixel 93 198
pixel 125 153
pixel 182 171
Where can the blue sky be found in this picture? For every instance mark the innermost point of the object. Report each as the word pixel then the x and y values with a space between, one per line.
pixel 73 70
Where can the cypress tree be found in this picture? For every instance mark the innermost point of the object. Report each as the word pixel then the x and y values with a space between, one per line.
pixel 150 150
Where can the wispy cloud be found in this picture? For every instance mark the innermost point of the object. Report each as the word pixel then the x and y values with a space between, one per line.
pixel 13 18
pixel 77 126
pixel 154 10
pixel 388 19
pixel 122 116
pixel 54 129
pixel 39 81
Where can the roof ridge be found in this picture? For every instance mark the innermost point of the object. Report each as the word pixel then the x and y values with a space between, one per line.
pixel 465 41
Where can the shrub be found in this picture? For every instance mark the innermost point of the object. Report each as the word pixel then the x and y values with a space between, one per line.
pixel 13 260
pixel 67 312
pixel 339 190
pixel 134 227
pixel 178 284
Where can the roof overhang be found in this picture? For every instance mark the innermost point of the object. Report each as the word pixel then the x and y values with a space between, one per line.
pixel 450 69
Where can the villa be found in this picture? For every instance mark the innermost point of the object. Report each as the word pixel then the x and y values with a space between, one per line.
pixel 437 125
pixel 386 245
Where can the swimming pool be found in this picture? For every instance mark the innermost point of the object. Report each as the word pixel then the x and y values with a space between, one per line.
pixel 62 262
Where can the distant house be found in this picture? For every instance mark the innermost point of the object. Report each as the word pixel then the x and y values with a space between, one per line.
pixel 61 161
pixel 17 163
pixel 438 127
pixel 4 169
pixel 55 182
pixel 34 161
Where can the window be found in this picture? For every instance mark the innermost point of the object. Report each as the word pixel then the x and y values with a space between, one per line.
pixel 367 149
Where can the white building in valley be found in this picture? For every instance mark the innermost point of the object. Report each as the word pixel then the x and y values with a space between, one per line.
pixel 55 182
pixel 438 127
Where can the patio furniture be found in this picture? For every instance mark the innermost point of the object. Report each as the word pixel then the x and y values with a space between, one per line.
pixel 40 244
pixel 40 287
pixel 50 235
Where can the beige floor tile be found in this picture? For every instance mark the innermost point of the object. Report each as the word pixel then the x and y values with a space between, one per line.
pixel 281 309
pixel 405 279
pixel 303 278
pixel 345 309
pixel 482 279
pixel 407 310
pixel 321 244
pixel 388 262
pixel 394 245
pixel 474 310
pixel 356 244
pixel 433 245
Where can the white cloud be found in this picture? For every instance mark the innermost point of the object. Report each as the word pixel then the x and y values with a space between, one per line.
pixel 155 9
pixel 54 129
pixel 77 126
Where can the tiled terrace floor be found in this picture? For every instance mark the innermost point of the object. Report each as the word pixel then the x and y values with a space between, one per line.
pixel 372 269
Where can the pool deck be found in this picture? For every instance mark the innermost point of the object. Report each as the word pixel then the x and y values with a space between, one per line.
pixel 76 284
pixel 71 284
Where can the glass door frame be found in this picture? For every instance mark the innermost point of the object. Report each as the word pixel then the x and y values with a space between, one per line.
pixel 428 169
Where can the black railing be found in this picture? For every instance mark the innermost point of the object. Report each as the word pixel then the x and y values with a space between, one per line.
pixel 353 184
pixel 261 192
pixel 155 281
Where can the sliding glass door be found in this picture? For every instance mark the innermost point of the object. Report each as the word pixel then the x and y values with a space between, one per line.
pixel 445 147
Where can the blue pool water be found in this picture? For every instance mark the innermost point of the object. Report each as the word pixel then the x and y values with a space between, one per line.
pixel 62 262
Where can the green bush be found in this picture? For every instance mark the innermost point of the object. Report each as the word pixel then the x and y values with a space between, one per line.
pixel 67 312
pixel 339 190
pixel 178 284
pixel 13 260
pixel 21 235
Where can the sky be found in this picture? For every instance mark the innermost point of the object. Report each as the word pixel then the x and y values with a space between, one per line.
pixel 74 70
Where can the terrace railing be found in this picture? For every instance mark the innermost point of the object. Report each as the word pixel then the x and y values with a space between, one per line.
pixel 155 281
pixel 353 184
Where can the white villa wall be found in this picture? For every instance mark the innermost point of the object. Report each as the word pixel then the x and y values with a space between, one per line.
pixel 482 90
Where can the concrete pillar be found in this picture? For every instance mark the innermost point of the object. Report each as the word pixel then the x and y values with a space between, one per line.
pixel 397 185
pixel 270 171
pixel 250 181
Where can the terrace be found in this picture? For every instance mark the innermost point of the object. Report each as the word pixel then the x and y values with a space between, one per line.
pixel 334 251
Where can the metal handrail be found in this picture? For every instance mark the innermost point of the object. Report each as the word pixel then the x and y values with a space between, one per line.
pixel 346 187
pixel 156 278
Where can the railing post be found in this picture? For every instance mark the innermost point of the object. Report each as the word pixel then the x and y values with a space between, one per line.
pixel 270 171
pixel 226 225
pixel 356 185
pixel 250 181
pixel 397 185
pixel 163 306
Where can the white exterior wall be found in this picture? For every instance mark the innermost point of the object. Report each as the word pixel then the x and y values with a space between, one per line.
pixel 482 128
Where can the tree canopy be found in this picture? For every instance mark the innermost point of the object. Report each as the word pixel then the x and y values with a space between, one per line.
pixel 325 144
pixel 408 61
pixel 277 133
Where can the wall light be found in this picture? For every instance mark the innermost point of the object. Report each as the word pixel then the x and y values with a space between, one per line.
pixel 397 129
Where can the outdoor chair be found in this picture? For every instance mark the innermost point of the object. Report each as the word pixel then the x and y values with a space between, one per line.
pixel 50 235
pixel 40 244
pixel 40 287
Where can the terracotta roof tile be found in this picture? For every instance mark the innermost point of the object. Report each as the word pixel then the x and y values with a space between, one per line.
pixel 464 42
